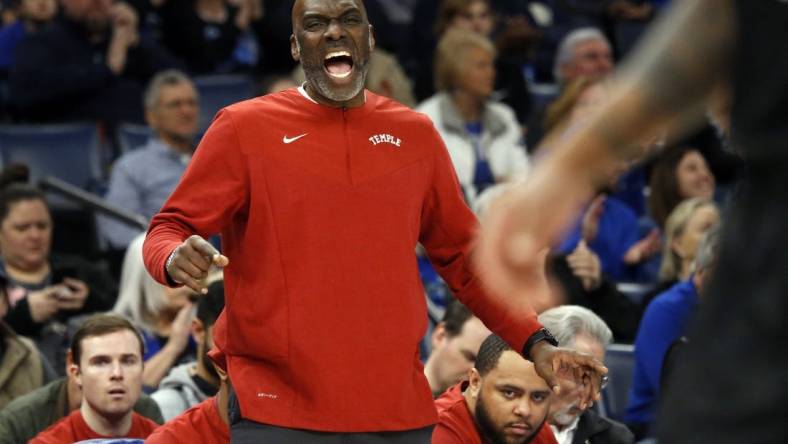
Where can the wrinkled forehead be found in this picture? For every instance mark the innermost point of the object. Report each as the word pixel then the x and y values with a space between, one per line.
pixel 328 8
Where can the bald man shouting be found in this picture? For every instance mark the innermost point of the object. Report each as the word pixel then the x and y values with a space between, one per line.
pixel 321 194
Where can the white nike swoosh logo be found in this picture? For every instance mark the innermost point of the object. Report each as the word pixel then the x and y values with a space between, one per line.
pixel 292 139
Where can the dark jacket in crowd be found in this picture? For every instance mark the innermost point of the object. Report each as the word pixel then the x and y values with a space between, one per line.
pixel 28 415
pixel 203 47
pixel 21 368
pixel 103 292
pixel 619 312
pixel 60 75
pixel 594 429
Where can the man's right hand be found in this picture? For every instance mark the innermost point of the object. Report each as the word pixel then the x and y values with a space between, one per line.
pixel 191 262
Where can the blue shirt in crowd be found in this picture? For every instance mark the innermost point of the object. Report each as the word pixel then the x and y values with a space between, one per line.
pixel 663 323
pixel 10 36
pixel 618 231
pixel 141 181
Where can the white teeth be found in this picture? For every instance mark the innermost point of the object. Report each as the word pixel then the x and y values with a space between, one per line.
pixel 340 76
pixel 337 54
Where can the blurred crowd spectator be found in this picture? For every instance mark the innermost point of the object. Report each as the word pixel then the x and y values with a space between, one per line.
pixel 143 178
pixel 498 79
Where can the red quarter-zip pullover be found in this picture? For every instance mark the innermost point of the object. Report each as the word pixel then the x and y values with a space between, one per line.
pixel 320 210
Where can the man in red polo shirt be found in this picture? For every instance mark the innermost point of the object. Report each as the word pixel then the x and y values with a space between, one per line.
pixel 107 355
pixel 503 402
pixel 321 194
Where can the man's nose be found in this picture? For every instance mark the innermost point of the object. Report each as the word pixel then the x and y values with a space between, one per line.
pixel 334 30
pixel 522 408
pixel 116 371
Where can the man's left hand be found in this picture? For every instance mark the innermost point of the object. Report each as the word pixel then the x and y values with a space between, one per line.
pixel 565 369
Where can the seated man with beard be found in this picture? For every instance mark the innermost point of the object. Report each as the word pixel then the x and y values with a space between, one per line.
pixel 503 402
pixel 193 382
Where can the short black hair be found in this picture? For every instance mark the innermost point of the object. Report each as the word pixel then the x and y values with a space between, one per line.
pixel 455 317
pixel 490 353
pixel 211 304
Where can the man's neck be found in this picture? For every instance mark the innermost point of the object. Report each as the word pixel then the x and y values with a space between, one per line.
pixel 205 375
pixel 470 401
pixel 177 144
pixel 222 398
pixel 114 427
pixel 562 427
pixel 73 395
pixel 429 373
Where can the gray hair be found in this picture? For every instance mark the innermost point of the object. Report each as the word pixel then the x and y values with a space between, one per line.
pixel 708 249
pixel 566 322
pixel 566 49
pixel 164 78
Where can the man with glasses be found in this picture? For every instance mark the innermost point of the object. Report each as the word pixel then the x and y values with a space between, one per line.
pixel 142 179
pixel 580 329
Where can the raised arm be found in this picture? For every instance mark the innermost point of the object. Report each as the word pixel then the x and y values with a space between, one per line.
pixel 662 88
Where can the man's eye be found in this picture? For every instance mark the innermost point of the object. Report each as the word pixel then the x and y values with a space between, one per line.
pixel 509 394
pixel 352 20
pixel 470 357
pixel 313 26
pixel 538 397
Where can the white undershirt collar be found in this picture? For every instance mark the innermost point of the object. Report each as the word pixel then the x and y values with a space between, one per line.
pixel 302 90
pixel 568 434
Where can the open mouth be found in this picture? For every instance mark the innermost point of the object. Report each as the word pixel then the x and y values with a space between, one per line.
pixel 338 64
pixel 117 392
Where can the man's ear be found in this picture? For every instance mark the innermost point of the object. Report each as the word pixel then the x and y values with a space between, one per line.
pixel 474 382
pixel 371 38
pixel 222 374
pixel 439 336
pixel 69 360
pixel 75 373
pixel 295 48
pixel 198 331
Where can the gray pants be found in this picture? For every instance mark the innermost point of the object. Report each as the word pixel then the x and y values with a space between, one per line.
pixel 246 431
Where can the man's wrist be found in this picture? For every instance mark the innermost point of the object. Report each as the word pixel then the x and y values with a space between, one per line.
pixel 541 336
pixel 167 264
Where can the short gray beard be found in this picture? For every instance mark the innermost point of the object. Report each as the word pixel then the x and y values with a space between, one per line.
pixel 324 87
pixel 562 417
pixel 317 78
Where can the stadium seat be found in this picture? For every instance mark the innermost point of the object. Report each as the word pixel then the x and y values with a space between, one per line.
pixel 70 152
pixel 635 291
pixel 542 94
pixel 132 135
pixel 218 91
pixel 620 362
